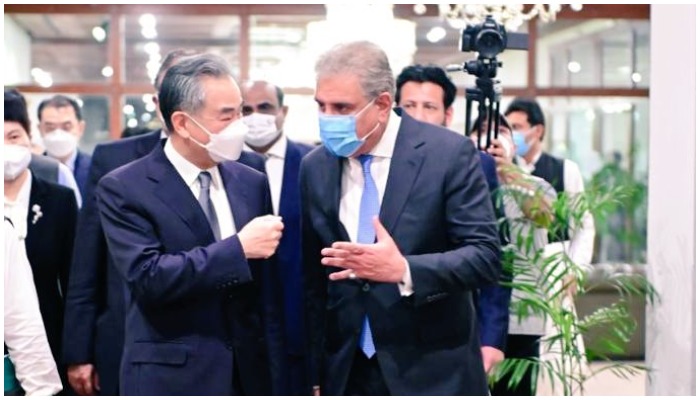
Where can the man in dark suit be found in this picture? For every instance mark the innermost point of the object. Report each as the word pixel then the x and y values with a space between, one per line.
pixel 94 322
pixel 189 234
pixel 264 113
pixel 61 125
pixel 426 93
pixel 395 316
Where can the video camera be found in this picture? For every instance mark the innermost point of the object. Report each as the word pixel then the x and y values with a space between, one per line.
pixel 488 40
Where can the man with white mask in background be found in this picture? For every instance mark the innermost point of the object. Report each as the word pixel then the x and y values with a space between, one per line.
pixel 264 113
pixel 61 126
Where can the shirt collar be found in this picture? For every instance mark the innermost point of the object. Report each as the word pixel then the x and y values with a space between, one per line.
pixel 188 171
pixel 70 162
pixel 385 147
pixel 529 167
pixel 278 150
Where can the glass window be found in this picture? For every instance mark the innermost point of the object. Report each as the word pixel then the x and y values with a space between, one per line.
pixel 281 49
pixel 139 114
pixel 148 38
pixel 44 49
pixel 593 53
pixel 605 132
pixel 95 110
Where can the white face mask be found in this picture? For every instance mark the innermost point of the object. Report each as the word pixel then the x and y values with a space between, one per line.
pixel 262 129
pixel 226 145
pixel 60 144
pixel 17 159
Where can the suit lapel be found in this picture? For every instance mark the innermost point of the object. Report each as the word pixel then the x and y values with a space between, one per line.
pixel 331 189
pixel 172 190
pixel 289 198
pixel 37 196
pixel 406 163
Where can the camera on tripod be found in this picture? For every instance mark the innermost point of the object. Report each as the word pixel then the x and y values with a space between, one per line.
pixel 488 40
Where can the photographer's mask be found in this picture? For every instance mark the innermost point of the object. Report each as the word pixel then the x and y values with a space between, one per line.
pixel 522 146
pixel 339 132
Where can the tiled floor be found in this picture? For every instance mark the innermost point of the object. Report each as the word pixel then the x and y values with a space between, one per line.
pixel 607 383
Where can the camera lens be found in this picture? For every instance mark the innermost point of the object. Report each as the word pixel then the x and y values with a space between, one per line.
pixel 489 43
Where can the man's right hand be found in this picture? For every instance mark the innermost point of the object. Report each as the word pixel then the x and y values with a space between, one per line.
pixel 261 236
pixel 84 379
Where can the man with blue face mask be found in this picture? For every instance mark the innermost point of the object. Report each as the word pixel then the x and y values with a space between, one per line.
pixel 398 229
pixel 190 232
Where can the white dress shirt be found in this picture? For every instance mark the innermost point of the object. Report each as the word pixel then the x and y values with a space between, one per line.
pixel 70 162
pixel 18 209
pixel 353 181
pixel 24 332
pixel 580 247
pixel 274 166
pixel 217 193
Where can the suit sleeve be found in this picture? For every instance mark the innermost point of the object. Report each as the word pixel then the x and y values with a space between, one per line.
pixel 475 258
pixel 156 278
pixel 84 291
pixel 315 285
pixel 494 300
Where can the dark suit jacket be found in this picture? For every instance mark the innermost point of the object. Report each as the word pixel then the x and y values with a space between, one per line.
pixel 49 244
pixel 438 210
pixel 289 250
pixel 94 322
pixel 194 305
pixel 493 301
pixel 81 171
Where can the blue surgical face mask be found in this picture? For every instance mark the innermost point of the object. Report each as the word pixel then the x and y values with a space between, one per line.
pixel 522 146
pixel 339 132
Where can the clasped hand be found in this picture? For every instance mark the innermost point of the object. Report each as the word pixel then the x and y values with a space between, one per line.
pixel 379 262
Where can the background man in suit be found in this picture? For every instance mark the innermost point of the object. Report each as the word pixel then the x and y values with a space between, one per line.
pixel 42 166
pixel 188 233
pixel 94 323
pixel 396 316
pixel 61 125
pixel 426 93
pixel 44 214
pixel 264 112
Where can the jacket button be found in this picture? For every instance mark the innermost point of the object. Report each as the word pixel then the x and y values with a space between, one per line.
pixel 365 287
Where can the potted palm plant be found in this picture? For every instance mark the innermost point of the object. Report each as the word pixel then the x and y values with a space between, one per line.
pixel 543 290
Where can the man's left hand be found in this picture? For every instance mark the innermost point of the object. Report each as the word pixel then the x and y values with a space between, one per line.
pixel 492 356
pixel 379 262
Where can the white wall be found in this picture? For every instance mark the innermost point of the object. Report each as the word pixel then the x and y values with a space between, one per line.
pixel 17 60
pixel 670 351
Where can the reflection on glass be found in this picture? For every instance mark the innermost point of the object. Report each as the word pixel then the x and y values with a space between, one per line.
pixel 148 38
pixel 593 53
pixel 45 49
pixel 138 114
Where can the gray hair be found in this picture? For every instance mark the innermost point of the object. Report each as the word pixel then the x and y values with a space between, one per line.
pixel 363 59
pixel 181 88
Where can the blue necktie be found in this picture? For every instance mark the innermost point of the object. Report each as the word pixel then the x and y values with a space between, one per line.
pixel 369 207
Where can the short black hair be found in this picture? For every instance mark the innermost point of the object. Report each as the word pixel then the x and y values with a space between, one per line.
pixel 427 73
pixel 16 109
pixel 530 107
pixel 60 101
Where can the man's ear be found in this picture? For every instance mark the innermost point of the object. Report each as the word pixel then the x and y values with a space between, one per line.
pixel 81 129
pixel 448 116
pixel 538 131
pixel 385 103
pixel 179 121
